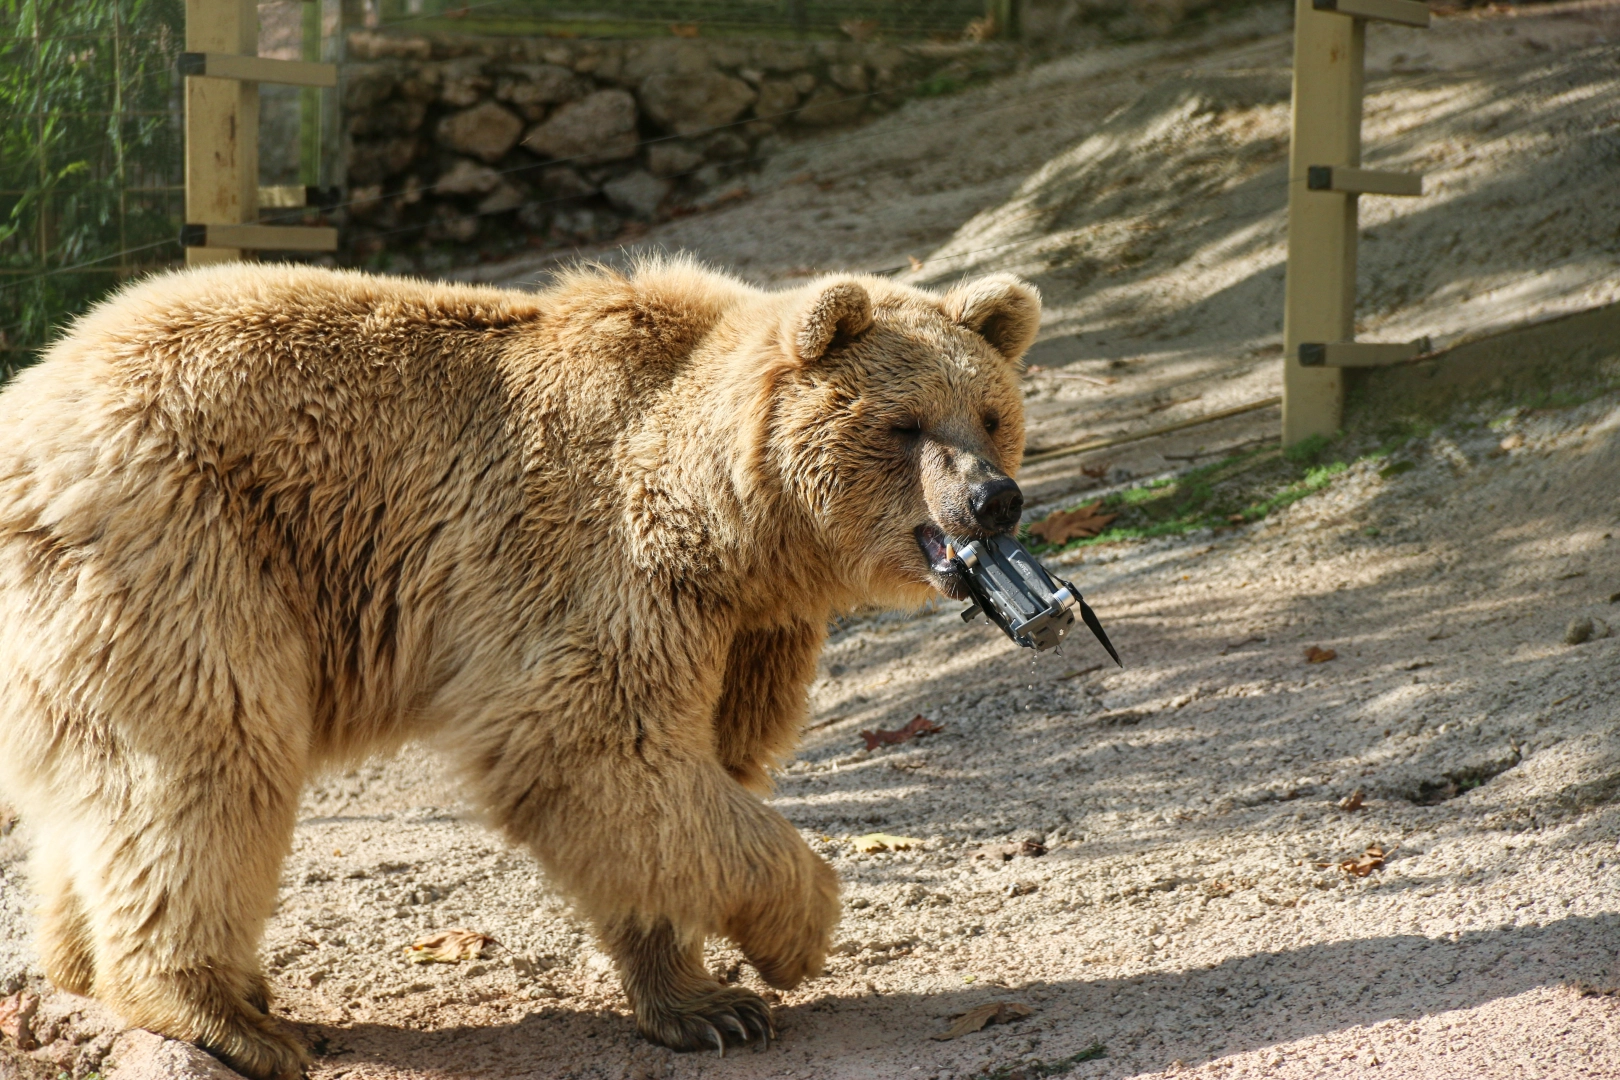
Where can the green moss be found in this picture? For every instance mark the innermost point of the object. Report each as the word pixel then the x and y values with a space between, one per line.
pixel 1236 490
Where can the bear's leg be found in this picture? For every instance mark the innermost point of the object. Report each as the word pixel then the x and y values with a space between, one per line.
pixel 678 1004
pixel 179 907
pixel 65 944
pixel 660 847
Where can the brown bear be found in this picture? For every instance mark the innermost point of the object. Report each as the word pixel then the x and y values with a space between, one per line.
pixel 256 520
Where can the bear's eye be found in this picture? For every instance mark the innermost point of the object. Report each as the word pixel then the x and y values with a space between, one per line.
pixel 992 423
pixel 906 429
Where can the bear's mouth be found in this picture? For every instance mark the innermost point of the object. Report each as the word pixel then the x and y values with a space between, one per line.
pixel 942 564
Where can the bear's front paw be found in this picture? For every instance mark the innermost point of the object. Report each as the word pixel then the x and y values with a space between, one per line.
pixel 724 1016
pixel 787 943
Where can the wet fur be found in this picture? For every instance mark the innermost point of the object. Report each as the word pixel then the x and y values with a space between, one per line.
pixel 258 521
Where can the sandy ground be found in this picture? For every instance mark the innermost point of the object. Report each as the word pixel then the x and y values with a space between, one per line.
pixel 1189 916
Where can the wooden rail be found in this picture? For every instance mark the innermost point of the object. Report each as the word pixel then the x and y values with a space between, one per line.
pixel 222 72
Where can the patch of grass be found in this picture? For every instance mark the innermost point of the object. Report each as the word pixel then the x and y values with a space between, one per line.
pixel 1236 490
pixel 1031 1070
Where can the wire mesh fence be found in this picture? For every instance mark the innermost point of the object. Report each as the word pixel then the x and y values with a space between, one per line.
pixel 91 187
pixel 861 19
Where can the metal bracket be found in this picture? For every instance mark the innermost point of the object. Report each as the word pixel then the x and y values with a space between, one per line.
pixel 1355 181
pixel 257 69
pixel 1357 354
pixel 260 237
pixel 1405 12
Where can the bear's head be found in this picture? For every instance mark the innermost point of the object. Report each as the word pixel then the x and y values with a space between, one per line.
pixel 895 419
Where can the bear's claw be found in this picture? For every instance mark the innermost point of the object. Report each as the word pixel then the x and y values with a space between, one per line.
pixel 731 1015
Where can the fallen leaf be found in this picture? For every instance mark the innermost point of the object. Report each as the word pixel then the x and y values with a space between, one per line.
pixel 1313 655
pixel 448 947
pixel 685 30
pixel 1512 442
pixel 1078 524
pixel 876 841
pixel 916 263
pixel 1352 801
pixel 918 727
pixel 16 1019
pixel 997 1012
pixel 1007 852
pixel 1096 472
pixel 1372 860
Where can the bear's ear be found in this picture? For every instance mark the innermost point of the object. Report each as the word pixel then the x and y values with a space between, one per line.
pixel 842 309
pixel 1003 309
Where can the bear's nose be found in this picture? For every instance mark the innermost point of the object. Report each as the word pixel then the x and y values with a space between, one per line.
pixel 997 504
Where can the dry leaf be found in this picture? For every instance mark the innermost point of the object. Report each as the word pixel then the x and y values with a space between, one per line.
pixel 1352 801
pixel 1078 524
pixel 1098 471
pixel 876 841
pixel 916 263
pixel 997 1012
pixel 1372 860
pixel 448 947
pixel 1313 655
pixel 686 30
pixel 17 1017
pixel 918 727
pixel 1007 852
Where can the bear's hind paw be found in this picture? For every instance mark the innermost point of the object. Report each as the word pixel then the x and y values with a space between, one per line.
pixel 725 1016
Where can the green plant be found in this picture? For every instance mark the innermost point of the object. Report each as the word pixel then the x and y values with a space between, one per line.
pixel 90 156
pixel 1236 490
pixel 1032 1070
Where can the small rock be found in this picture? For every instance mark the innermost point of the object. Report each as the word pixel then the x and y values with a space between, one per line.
pixel 726 146
pixel 484 131
pixel 830 105
pixel 141 1055
pixel 804 82
pixel 638 193
pixel 449 224
pixel 538 85
pixel 689 102
pixel 851 77
pixel 467 177
pixel 667 159
pixel 506 196
pixel 464 83
pixel 595 129
pixel 562 182
pixel 1512 442
pixel 776 96
pixel 1580 630
pixel 370 162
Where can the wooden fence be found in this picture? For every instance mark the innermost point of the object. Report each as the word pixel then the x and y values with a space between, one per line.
pixel 1326 181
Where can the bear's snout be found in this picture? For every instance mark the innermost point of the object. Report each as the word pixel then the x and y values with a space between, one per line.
pixel 997 504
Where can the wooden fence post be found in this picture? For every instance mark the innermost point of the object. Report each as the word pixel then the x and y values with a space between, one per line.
pixel 1325 180
pixel 223 71
pixel 222 125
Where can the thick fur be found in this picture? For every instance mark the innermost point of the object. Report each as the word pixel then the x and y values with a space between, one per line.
pixel 255 521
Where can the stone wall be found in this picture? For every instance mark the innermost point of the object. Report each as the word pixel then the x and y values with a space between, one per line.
pixel 506 142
